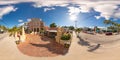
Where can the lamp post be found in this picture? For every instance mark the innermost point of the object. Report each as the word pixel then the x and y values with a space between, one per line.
pixel 75 23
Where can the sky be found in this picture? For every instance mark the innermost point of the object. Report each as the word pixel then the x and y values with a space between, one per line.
pixel 87 13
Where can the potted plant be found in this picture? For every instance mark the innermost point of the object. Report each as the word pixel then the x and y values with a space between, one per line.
pixel 65 37
pixel 66 40
pixel 42 32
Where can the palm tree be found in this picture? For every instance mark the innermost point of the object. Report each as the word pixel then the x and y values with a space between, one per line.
pixel 78 30
pixel 14 30
pixel 71 28
pixel 3 27
pixel 116 25
pixel 107 22
pixel 118 28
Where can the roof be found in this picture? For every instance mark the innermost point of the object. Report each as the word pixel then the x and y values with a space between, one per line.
pixel 52 30
pixel 46 27
pixel 35 19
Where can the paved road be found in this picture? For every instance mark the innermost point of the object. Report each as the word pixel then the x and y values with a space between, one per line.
pixel 99 38
pixel 105 41
pixel 2 36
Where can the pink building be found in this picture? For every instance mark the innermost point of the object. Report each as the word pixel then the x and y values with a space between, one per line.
pixel 35 25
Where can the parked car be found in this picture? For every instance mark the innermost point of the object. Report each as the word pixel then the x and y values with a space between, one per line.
pixel 90 32
pixel 1 32
pixel 85 31
pixel 108 33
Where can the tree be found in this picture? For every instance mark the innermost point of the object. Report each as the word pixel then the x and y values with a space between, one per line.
pixel 14 30
pixel 78 30
pixel 42 31
pixel 53 25
pixel 71 28
pixel 118 29
pixel 115 25
pixel 3 27
pixel 64 26
pixel 107 22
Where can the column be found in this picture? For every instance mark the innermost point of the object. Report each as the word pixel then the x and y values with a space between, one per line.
pixel 23 35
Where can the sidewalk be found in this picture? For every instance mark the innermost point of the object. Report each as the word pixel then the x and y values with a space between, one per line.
pixel 9 51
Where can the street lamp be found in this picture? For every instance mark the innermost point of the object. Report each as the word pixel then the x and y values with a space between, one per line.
pixel 75 23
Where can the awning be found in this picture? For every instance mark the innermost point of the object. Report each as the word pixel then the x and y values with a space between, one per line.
pixel 52 30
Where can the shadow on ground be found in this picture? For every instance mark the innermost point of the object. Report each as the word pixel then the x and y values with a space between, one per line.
pixel 45 47
pixel 91 48
pixel 83 42
pixel 53 48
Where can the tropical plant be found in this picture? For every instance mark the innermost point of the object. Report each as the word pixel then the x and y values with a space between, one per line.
pixel 66 36
pixel 14 30
pixel 71 28
pixel 53 25
pixel 118 29
pixel 64 26
pixel 107 22
pixel 3 27
pixel 42 31
pixel 78 30
pixel 116 25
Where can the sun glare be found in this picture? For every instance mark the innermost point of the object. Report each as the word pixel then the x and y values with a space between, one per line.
pixel 73 18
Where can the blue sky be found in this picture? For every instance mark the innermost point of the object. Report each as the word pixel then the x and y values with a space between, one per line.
pixel 87 13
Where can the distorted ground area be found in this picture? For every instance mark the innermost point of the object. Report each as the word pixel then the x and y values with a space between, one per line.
pixel 38 46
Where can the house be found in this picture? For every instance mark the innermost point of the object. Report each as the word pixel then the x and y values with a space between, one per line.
pixel 35 25
pixel 51 32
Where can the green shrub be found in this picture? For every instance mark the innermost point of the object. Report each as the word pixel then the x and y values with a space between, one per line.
pixel 66 37
pixel 30 31
pixel 17 42
pixel 67 45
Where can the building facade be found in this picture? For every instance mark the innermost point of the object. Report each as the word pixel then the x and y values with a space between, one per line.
pixel 35 25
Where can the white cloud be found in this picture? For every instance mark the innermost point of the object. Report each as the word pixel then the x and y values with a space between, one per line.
pixel 50 3
pixel 117 13
pixel 28 20
pixel 47 9
pixel 84 9
pixel 97 17
pixel 73 12
pixel 6 10
pixel 107 8
pixel 3 2
pixel 20 20
pixel 20 24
